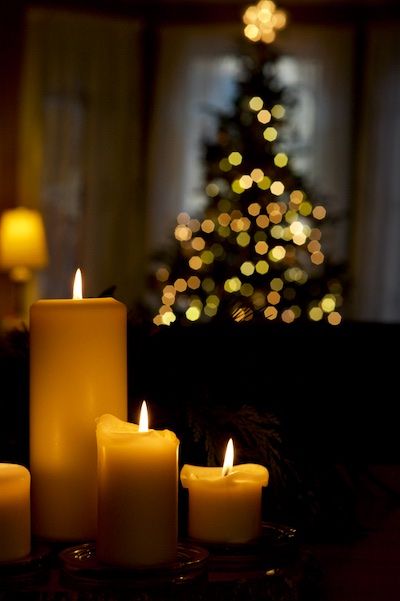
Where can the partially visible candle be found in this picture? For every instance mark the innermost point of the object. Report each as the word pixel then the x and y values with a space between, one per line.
pixel 15 517
pixel 138 493
pixel 225 503
pixel 78 372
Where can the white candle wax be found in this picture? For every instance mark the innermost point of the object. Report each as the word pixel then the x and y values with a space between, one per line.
pixel 15 518
pixel 78 371
pixel 224 505
pixel 138 496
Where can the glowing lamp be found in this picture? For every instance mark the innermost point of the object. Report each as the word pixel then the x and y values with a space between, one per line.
pixel 22 243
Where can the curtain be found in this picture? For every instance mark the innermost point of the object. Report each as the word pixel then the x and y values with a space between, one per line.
pixel 80 154
pixel 377 216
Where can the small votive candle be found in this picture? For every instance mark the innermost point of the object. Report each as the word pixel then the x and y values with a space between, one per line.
pixel 225 503
pixel 15 515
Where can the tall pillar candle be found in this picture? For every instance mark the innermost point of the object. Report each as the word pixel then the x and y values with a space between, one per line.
pixel 15 518
pixel 225 502
pixel 78 372
pixel 138 494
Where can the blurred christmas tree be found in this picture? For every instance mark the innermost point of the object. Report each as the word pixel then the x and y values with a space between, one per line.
pixel 256 252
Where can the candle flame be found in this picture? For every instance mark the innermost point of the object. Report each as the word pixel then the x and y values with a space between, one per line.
pixel 77 289
pixel 144 418
pixel 228 461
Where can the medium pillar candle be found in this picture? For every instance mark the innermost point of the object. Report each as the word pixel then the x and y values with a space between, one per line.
pixel 78 372
pixel 225 503
pixel 138 494
pixel 15 517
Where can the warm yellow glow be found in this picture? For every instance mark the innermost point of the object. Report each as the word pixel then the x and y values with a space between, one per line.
pixel 195 262
pixel 316 314
pixel 297 197
pixel 194 282
pixel 334 318
pixel 180 285
pixel 257 175
pixel 228 460
pixel 183 233
pixel 319 212
pixel 224 219
pixel 254 209
pixel 261 248
pixel 270 134
pixel 273 297
pixel 277 253
pixel 262 221
pixel 270 313
pixel 288 316
pixel 243 239
pixel 207 226
pixel 276 231
pixel 317 258
pixel 247 268
pixel 144 418
pixel 264 116
pixel 305 208
pixel 262 21
pixel 277 188
pixel 256 103
pixel 328 303
pixel 246 182
pixel 265 183
pixel 198 243
pixel 281 159
pixel 236 187
pixel 77 287
pixel 22 242
pixel 278 111
pixel 193 313
pixel 208 284
pixel 235 158
pixel 262 267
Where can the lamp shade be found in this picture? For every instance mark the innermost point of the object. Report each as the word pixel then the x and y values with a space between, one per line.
pixel 22 242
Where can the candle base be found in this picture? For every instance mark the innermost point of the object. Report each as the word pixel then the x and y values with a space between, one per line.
pixel 25 568
pixel 81 564
pixel 276 545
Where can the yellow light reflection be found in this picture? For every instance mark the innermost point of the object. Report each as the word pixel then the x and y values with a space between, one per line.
pixel 256 103
pixel 254 209
pixel 194 282
pixel 193 313
pixel 281 159
pixel 262 267
pixel 270 313
pixel 247 268
pixel 257 175
pixel 316 314
pixel 277 188
pixel 262 221
pixel 334 318
pixel 243 239
pixel 270 134
pixel 319 212
pixel 195 262
pixel 264 117
pixel 278 111
pixel 261 248
pixel 235 158
pixel 207 226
